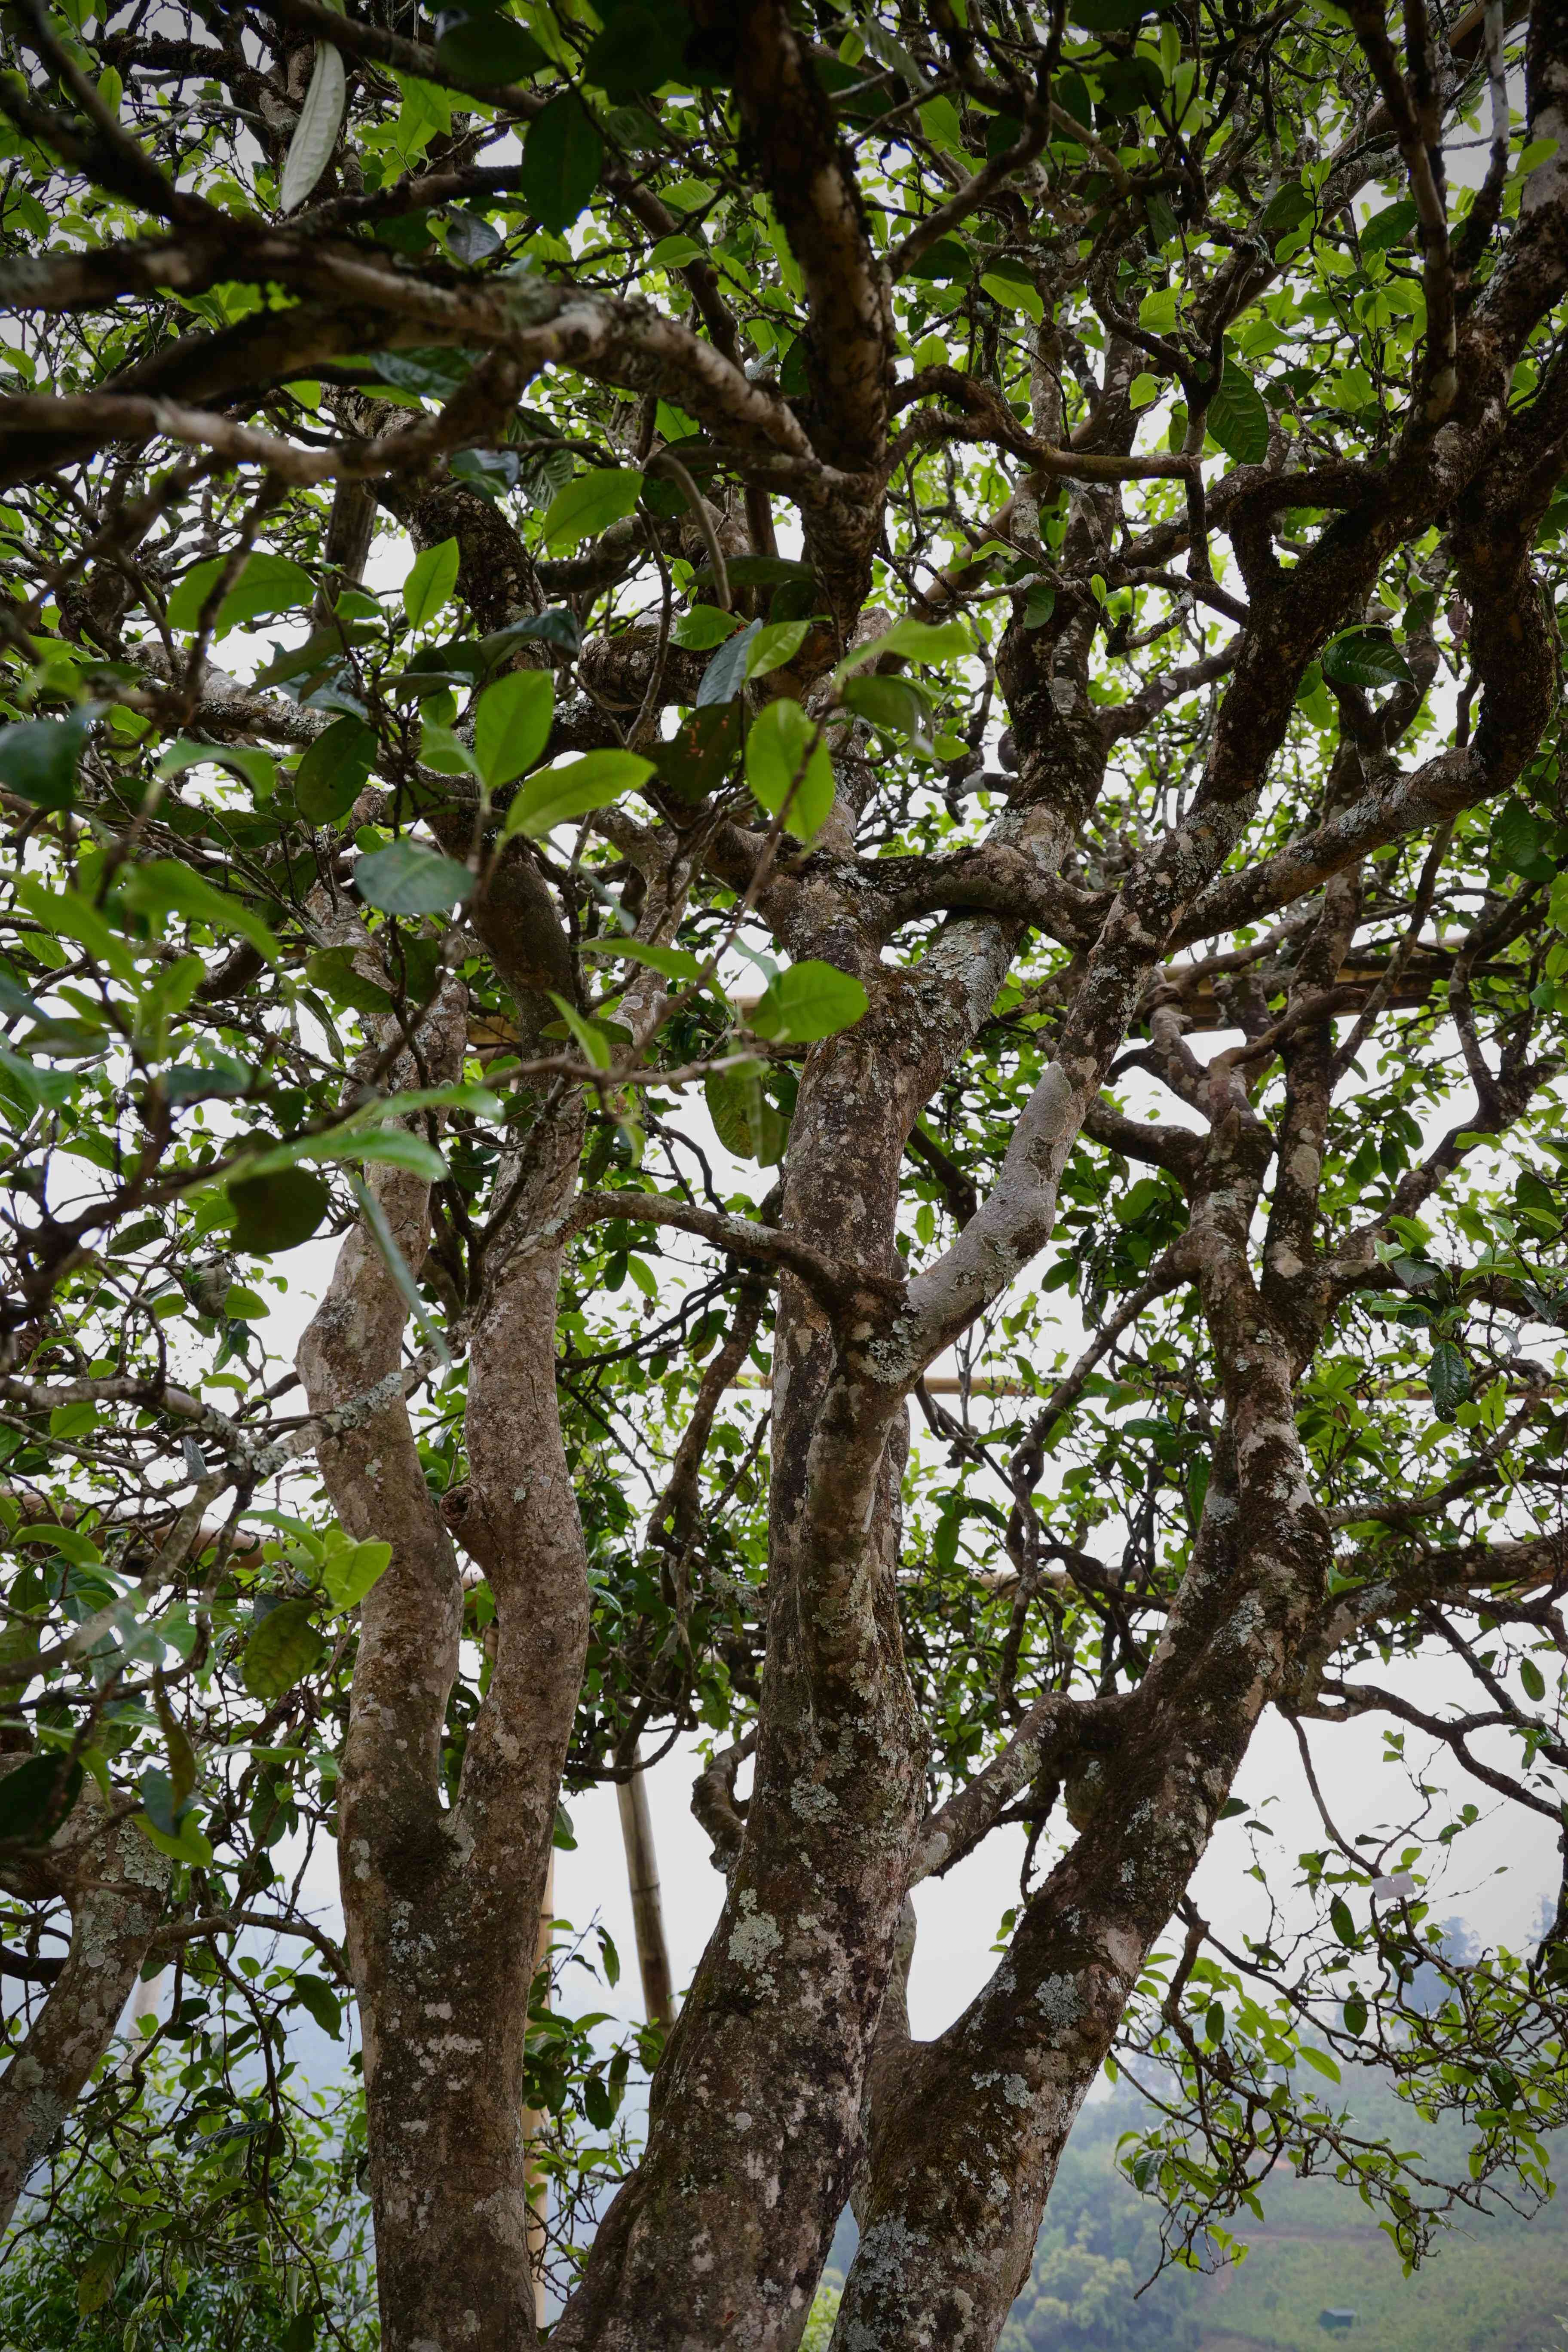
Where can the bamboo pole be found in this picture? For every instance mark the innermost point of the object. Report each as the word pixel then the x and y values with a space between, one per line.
pixel 647 1912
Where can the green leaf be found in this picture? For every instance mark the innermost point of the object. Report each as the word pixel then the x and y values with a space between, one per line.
pixel 788 767
pixel 511 727
pixel 403 879
pixel 1534 1680
pixel 164 887
pixel 1365 657
pixel 96 2280
pixel 1518 840
pixel 811 1000
pixel 278 1211
pixel 1018 293
pixel 1389 227
pixel 772 648
pixel 1287 208
pixel 332 773
pixel 1450 1379
pixel 315 1995
pixel 697 760
pixel 589 504
pixel 284 1647
pixel 726 673
pixel 1237 418
pixel 37 1797
pixel 675 963
pixel 1319 2060
pixel 561 162
pixel 431 580
pixel 596 1044
pixel 40 757
pixel 745 1122
pixel 924 641
pixel 256 768
pixel 1343 1925
pixel 891 703
pixel 348 1574
pixel 1356 2014
pixel 572 788
pixel 480 45
pixel 267 583
pixel 335 972
pixel 69 1542
pixel 702 628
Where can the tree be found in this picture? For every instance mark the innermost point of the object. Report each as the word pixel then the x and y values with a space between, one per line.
pixel 860 587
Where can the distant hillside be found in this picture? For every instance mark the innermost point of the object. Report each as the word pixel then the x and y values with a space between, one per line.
pixel 1493 2286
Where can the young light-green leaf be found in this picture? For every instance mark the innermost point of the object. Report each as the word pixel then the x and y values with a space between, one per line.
pixel 809 1000
pixel 787 768
pixel 512 725
pixel 431 578
pixel 348 1574
pixel 772 647
pixel 572 788
pixel 590 504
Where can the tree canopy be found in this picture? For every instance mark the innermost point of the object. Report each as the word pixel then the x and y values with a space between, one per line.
pixel 766 718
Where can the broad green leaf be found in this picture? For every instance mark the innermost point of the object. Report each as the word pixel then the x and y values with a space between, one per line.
pixel 1534 1680
pixel 726 673
pixel 702 628
pixel 1519 839
pixel 675 963
pixel 1320 2061
pixel 1018 293
pixel 511 727
pixel 40 757
pixel 95 2279
pixel 284 1647
pixel 772 648
pixel 392 1147
pixel 589 504
pixel 1237 417
pixel 596 1045
pixel 572 788
pixel 1367 656
pixel 887 702
pixel 334 771
pixel 69 1542
pixel 316 131
pixel 431 578
pixel 809 1000
pixel 335 972
pixel 162 885
pixel 481 45
pixel 787 766
pixel 37 1797
pixel 744 1121
pixel 277 1211
pixel 267 583
pixel 1450 1378
pixel 255 767
pixel 315 1995
pixel 1389 227
pixel 348 1574
pixel 561 161
pixel 403 879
